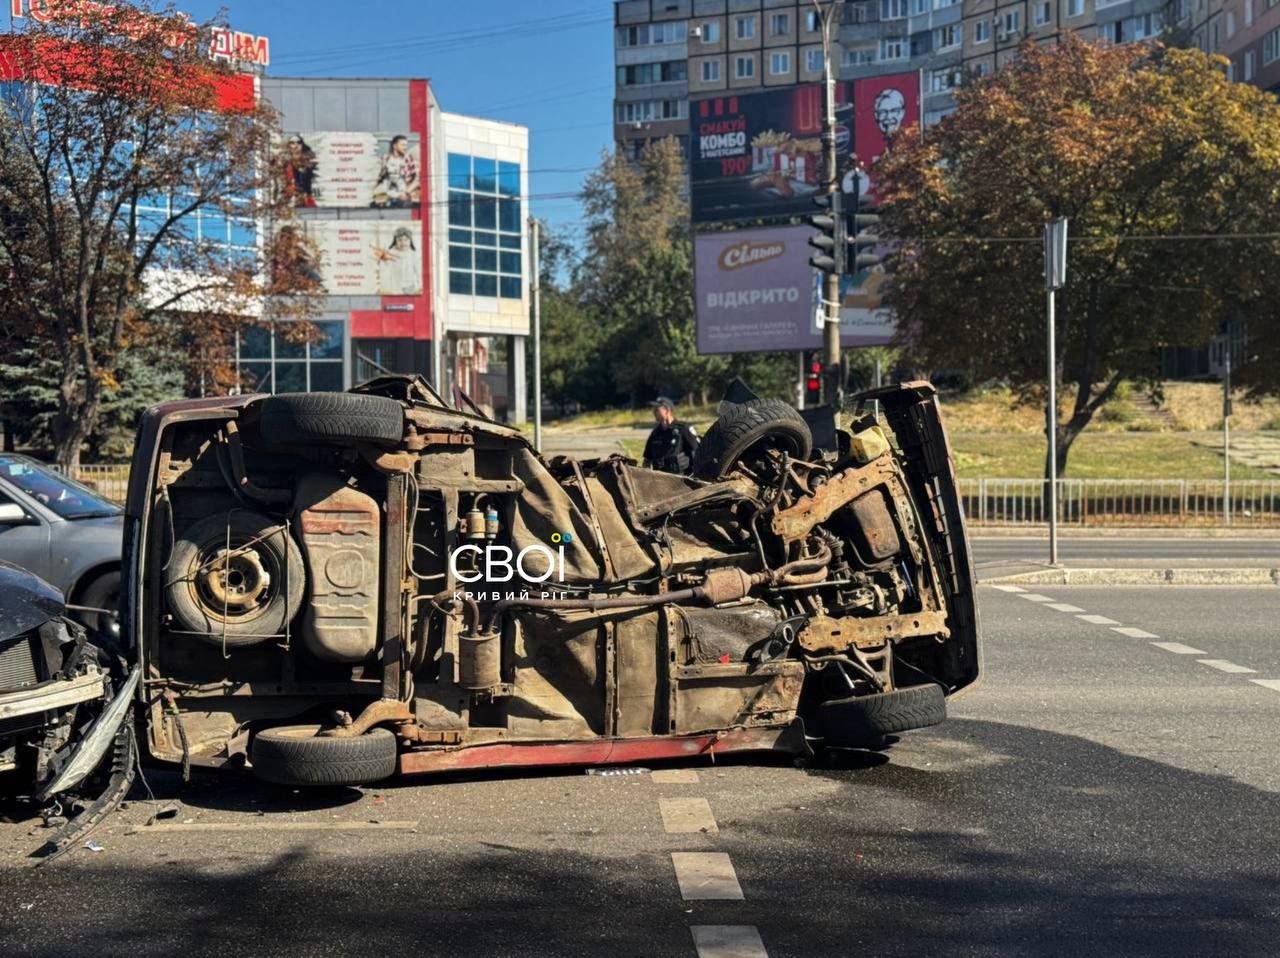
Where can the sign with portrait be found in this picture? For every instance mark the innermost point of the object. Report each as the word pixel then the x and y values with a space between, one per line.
pixel 368 257
pixel 352 170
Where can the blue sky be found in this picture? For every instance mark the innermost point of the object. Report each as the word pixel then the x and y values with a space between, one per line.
pixel 547 64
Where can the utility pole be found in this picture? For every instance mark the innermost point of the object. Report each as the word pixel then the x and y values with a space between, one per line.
pixel 536 248
pixel 1226 429
pixel 1055 277
pixel 830 14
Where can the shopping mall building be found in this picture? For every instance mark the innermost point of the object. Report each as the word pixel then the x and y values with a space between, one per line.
pixel 420 220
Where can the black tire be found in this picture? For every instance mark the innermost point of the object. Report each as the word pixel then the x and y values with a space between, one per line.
pixel 864 721
pixel 296 755
pixel 748 426
pixel 300 418
pixel 261 589
pixel 102 592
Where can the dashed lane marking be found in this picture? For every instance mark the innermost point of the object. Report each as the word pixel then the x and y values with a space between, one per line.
pixel 1097 620
pixel 728 941
pixel 1133 633
pixel 675 776
pixel 1273 684
pixel 1009 588
pixel 706 876
pixel 1035 597
pixel 1177 648
pixel 1222 665
pixel 1063 607
pixel 687 816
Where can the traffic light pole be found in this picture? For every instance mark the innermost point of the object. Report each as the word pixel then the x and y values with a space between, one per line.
pixel 831 175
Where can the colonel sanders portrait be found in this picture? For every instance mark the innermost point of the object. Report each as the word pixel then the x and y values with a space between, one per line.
pixel 890 110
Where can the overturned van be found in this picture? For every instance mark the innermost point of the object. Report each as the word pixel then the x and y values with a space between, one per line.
pixel 334 587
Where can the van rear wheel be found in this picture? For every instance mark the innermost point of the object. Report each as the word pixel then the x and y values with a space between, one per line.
pixel 299 755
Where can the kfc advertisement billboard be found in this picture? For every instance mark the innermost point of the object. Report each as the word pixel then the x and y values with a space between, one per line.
pixel 760 155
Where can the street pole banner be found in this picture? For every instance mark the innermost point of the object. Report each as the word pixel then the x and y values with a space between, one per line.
pixel 754 290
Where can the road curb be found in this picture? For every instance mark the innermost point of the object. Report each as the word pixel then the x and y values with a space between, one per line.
pixel 1140 577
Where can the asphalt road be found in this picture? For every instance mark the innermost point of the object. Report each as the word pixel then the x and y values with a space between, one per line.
pixel 1128 550
pixel 1097 794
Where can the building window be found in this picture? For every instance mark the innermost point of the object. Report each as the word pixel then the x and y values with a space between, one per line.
pixel 648 34
pixel 275 361
pixel 1248 67
pixel 812 22
pixel 981 69
pixel 711 74
pixel 943 4
pixel 744 68
pixel 780 25
pixel 814 63
pixel 893 9
pixel 641 74
pixel 1271 47
pixel 1012 22
pixel 711 32
pixel 779 64
pixel 1248 16
pixel 893 48
pixel 745 27
pixel 486 226
pixel 919 7
pixel 1043 13
pixel 948 37
pixel 1075 8
pixel 940 81
pixel 1231 25
pixel 982 31
pixel 644 111
pixel 858 56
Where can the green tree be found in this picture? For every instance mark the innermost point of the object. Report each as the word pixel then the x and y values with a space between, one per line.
pixel 120 113
pixel 1162 166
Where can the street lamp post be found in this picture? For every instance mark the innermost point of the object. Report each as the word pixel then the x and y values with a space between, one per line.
pixel 830 16
pixel 1055 276
pixel 1226 429
pixel 534 241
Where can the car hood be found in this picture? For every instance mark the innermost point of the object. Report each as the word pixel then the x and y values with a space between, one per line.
pixel 26 601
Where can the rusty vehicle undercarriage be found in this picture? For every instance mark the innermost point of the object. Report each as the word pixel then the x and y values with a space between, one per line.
pixel 334 587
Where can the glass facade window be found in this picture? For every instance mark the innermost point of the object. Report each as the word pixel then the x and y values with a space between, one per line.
pixel 486 229
pixel 273 362
pixel 237 235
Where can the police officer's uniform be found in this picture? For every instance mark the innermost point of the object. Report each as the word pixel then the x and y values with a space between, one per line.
pixel 671 448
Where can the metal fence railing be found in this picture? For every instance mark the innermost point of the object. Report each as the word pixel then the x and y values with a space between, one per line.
pixel 1021 502
pixel 1124 502
pixel 109 481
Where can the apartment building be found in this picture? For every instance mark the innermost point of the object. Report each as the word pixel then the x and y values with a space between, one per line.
pixel 669 51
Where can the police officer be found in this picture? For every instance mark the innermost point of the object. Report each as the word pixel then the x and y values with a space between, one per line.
pixel 672 444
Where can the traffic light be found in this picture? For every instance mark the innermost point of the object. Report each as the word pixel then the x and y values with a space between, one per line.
pixel 831 238
pixel 813 380
pixel 863 232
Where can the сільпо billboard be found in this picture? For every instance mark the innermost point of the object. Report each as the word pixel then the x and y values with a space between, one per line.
pixel 754 290
pixel 760 154
pixel 352 170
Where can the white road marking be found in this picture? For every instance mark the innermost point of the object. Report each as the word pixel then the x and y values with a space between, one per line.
pixel 1063 607
pixel 675 776
pixel 1009 588
pixel 270 826
pixel 1133 633
pixel 706 876
pixel 1097 620
pixel 1273 684
pixel 1177 648
pixel 728 941
pixel 1222 665
pixel 686 816
pixel 1035 597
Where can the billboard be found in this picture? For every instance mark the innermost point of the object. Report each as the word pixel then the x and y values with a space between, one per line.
pixel 759 155
pixel 368 257
pixel 352 170
pixel 754 290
